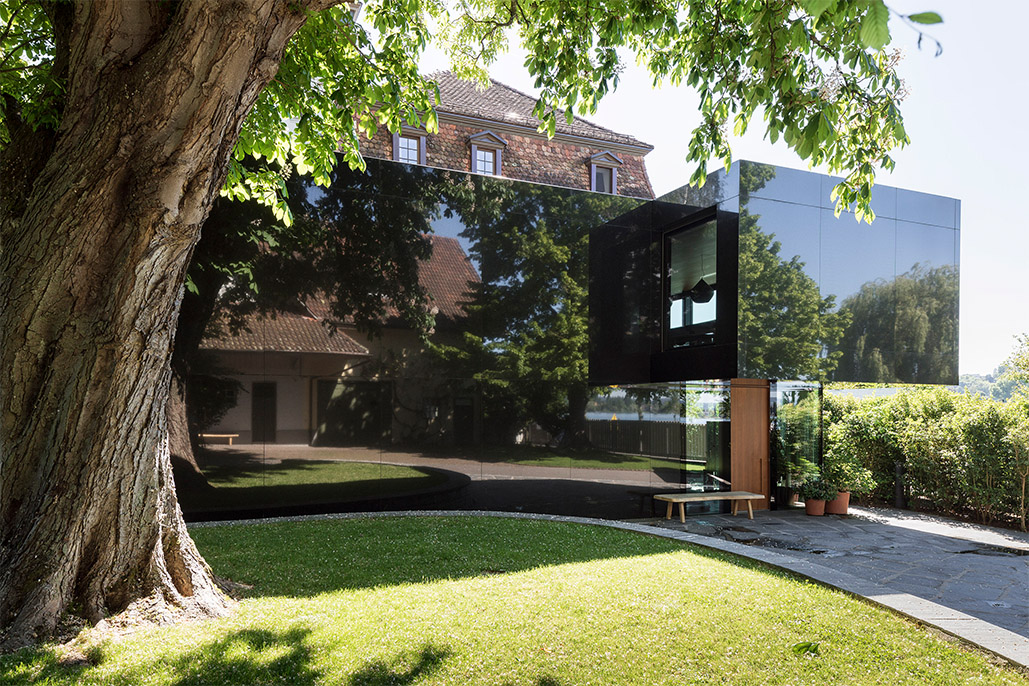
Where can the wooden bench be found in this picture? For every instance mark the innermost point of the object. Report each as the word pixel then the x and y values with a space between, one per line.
pixel 698 496
pixel 205 437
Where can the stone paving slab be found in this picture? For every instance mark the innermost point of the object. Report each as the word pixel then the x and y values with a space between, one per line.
pixel 968 570
pixel 984 632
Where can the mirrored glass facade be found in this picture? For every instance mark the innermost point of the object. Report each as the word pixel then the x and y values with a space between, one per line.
pixel 491 410
pixel 574 336
pixel 796 441
pixel 802 294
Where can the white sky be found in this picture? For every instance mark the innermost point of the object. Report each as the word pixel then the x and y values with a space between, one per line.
pixel 965 115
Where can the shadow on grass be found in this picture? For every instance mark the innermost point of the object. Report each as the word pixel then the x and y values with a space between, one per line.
pixel 303 559
pixel 398 673
pixel 246 657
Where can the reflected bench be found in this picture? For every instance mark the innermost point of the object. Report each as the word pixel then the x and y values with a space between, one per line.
pixel 683 498
pixel 205 438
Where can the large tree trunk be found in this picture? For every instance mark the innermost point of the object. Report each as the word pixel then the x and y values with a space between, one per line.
pixel 180 440
pixel 576 436
pixel 97 222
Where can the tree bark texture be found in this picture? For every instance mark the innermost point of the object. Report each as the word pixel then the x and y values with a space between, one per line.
pixel 97 223
pixel 180 440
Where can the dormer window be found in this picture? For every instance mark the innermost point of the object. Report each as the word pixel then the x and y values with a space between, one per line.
pixel 604 172
pixel 487 150
pixel 409 146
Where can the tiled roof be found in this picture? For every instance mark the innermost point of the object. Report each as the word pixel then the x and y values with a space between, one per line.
pixel 287 332
pixel 446 276
pixel 502 103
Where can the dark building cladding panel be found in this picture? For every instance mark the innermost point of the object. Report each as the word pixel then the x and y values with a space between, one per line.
pixel 627 311
pixel 623 320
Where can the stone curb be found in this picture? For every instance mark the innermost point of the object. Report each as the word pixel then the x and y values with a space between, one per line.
pixel 1001 642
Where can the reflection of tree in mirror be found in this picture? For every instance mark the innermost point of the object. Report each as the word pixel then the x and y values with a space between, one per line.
pixel 785 325
pixel 527 338
pixel 795 443
pixel 689 403
pixel 904 329
pixel 357 243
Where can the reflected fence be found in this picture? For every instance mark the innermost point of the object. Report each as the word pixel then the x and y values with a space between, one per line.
pixel 653 438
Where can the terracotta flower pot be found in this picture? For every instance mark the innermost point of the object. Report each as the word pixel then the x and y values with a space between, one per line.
pixel 839 504
pixel 815 508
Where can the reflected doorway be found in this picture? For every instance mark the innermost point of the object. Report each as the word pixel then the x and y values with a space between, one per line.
pixel 263 412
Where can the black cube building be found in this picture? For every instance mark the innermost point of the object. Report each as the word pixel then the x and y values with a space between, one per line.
pixel 753 283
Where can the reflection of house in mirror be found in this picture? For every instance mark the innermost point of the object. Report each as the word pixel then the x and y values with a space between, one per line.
pixel 299 384
pixel 303 383
pixel 753 280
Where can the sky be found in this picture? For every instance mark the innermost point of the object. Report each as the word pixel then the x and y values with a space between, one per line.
pixel 965 115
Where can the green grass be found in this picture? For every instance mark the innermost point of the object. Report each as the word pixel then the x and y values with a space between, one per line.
pixel 497 601
pixel 294 482
pixel 575 459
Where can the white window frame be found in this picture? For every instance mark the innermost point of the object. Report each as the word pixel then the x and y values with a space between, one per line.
pixel 487 141
pixel 604 160
pixel 409 134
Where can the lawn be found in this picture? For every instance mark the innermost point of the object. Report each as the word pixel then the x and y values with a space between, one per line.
pixel 578 459
pixel 293 482
pixel 501 601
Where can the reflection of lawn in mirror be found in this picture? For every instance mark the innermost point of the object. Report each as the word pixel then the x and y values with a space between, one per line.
pixel 501 601
pixel 580 459
pixel 289 482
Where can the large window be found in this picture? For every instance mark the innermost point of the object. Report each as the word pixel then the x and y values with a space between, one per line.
pixel 602 179
pixel 691 283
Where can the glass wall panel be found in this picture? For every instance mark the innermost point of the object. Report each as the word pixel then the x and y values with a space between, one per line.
pixel 678 433
pixel 858 268
pixel 927 291
pixel 884 198
pixel 780 183
pixel 796 436
pixel 624 315
pixel 780 311
pixel 924 208
pixel 719 188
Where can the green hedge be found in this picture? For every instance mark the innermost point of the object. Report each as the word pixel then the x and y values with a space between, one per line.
pixel 964 454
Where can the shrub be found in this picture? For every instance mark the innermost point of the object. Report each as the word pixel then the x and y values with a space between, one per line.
pixel 1017 414
pixel 842 469
pixel 816 489
pixel 961 453
pixel 865 431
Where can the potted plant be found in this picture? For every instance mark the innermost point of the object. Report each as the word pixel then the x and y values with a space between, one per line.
pixel 815 492
pixel 843 470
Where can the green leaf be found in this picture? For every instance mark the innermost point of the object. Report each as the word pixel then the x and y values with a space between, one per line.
pixel 805 648
pixel 875 29
pixel 926 18
pixel 816 7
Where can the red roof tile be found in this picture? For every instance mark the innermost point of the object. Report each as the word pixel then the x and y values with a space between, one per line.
pixel 446 275
pixel 501 103
pixel 287 332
